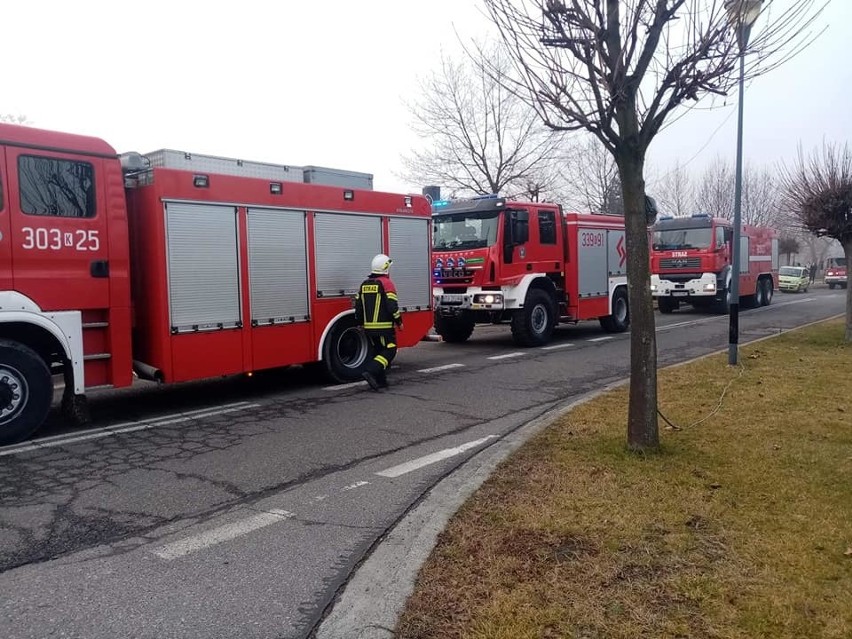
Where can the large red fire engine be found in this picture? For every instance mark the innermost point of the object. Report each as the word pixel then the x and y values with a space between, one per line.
pixel 835 272
pixel 526 263
pixel 178 267
pixel 691 261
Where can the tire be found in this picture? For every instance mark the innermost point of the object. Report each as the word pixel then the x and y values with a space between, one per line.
pixel 768 292
pixel 723 306
pixel 533 324
pixel 667 304
pixel 346 351
pixel 619 320
pixel 831 287
pixel 26 391
pixel 759 295
pixel 843 286
pixel 454 330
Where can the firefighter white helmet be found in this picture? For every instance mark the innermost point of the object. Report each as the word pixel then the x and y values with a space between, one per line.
pixel 381 264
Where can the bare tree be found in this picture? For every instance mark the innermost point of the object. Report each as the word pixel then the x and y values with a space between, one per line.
pixel 714 194
pixel 619 69
pixel 818 189
pixel 788 245
pixel 589 174
pixel 479 137
pixel 14 119
pixel 674 192
pixel 760 199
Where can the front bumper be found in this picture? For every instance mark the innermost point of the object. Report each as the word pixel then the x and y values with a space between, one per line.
pixel 835 279
pixel 795 285
pixel 703 286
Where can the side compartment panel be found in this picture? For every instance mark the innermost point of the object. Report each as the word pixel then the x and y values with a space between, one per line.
pixel 345 244
pixel 409 249
pixel 592 263
pixel 277 266
pixel 204 287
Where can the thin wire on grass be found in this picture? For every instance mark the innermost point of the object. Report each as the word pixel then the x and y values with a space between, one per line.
pixel 712 412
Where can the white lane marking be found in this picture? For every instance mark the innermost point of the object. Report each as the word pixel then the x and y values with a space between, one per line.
pixel 118 429
pixel 344 386
pixel 600 339
pixel 222 533
pixel 357 484
pixel 446 367
pixel 321 497
pixel 415 464
pixel 508 355
pixel 555 346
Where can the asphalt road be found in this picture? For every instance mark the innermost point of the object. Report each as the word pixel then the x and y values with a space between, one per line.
pixel 238 508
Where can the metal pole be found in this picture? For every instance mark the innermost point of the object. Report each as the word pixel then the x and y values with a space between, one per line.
pixel 734 330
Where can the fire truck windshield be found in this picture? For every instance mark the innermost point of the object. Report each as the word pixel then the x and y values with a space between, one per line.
pixel 465 230
pixel 674 239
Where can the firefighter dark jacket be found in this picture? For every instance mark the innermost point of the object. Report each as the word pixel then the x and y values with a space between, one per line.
pixel 376 304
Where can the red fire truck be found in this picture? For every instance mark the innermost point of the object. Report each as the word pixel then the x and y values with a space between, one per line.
pixel 178 267
pixel 529 264
pixel 691 261
pixel 835 272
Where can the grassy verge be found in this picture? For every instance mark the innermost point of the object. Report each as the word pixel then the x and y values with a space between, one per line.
pixel 741 527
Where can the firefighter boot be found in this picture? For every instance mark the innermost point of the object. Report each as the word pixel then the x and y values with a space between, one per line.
pixel 382 379
pixel 371 380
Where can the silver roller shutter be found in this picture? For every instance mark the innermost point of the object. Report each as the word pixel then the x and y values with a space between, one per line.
pixel 204 286
pixel 278 270
pixel 409 250
pixel 345 245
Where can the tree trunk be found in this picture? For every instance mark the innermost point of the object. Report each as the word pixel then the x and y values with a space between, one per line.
pixel 642 431
pixel 847 250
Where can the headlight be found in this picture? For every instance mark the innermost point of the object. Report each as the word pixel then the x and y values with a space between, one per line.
pixel 653 288
pixel 710 287
pixel 488 298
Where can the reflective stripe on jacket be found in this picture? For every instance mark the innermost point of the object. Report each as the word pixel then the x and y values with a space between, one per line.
pixel 376 304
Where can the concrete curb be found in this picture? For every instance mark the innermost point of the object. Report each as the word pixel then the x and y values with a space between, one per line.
pixel 372 601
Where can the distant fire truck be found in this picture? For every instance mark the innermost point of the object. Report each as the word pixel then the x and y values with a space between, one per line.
pixel 691 262
pixel 180 267
pixel 528 264
pixel 835 272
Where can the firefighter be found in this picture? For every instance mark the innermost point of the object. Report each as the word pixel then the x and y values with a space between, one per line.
pixel 377 311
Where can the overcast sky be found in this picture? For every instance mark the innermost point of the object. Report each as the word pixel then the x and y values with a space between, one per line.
pixel 324 83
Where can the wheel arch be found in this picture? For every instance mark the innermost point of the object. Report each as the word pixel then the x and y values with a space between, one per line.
pixel 532 281
pixel 327 330
pixel 48 334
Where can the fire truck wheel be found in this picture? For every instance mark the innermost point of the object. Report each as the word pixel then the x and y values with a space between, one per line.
pixel 454 330
pixel 534 323
pixel 667 304
pixel 346 351
pixel 767 292
pixel 619 321
pixel 26 391
pixel 831 287
pixel 759 297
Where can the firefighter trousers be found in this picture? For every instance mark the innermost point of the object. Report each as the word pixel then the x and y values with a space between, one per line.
pixel 384 347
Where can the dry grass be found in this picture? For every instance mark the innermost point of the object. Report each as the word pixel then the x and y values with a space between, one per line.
pixel 741 527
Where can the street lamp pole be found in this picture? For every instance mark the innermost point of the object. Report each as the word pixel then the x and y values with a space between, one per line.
pixel 744 14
